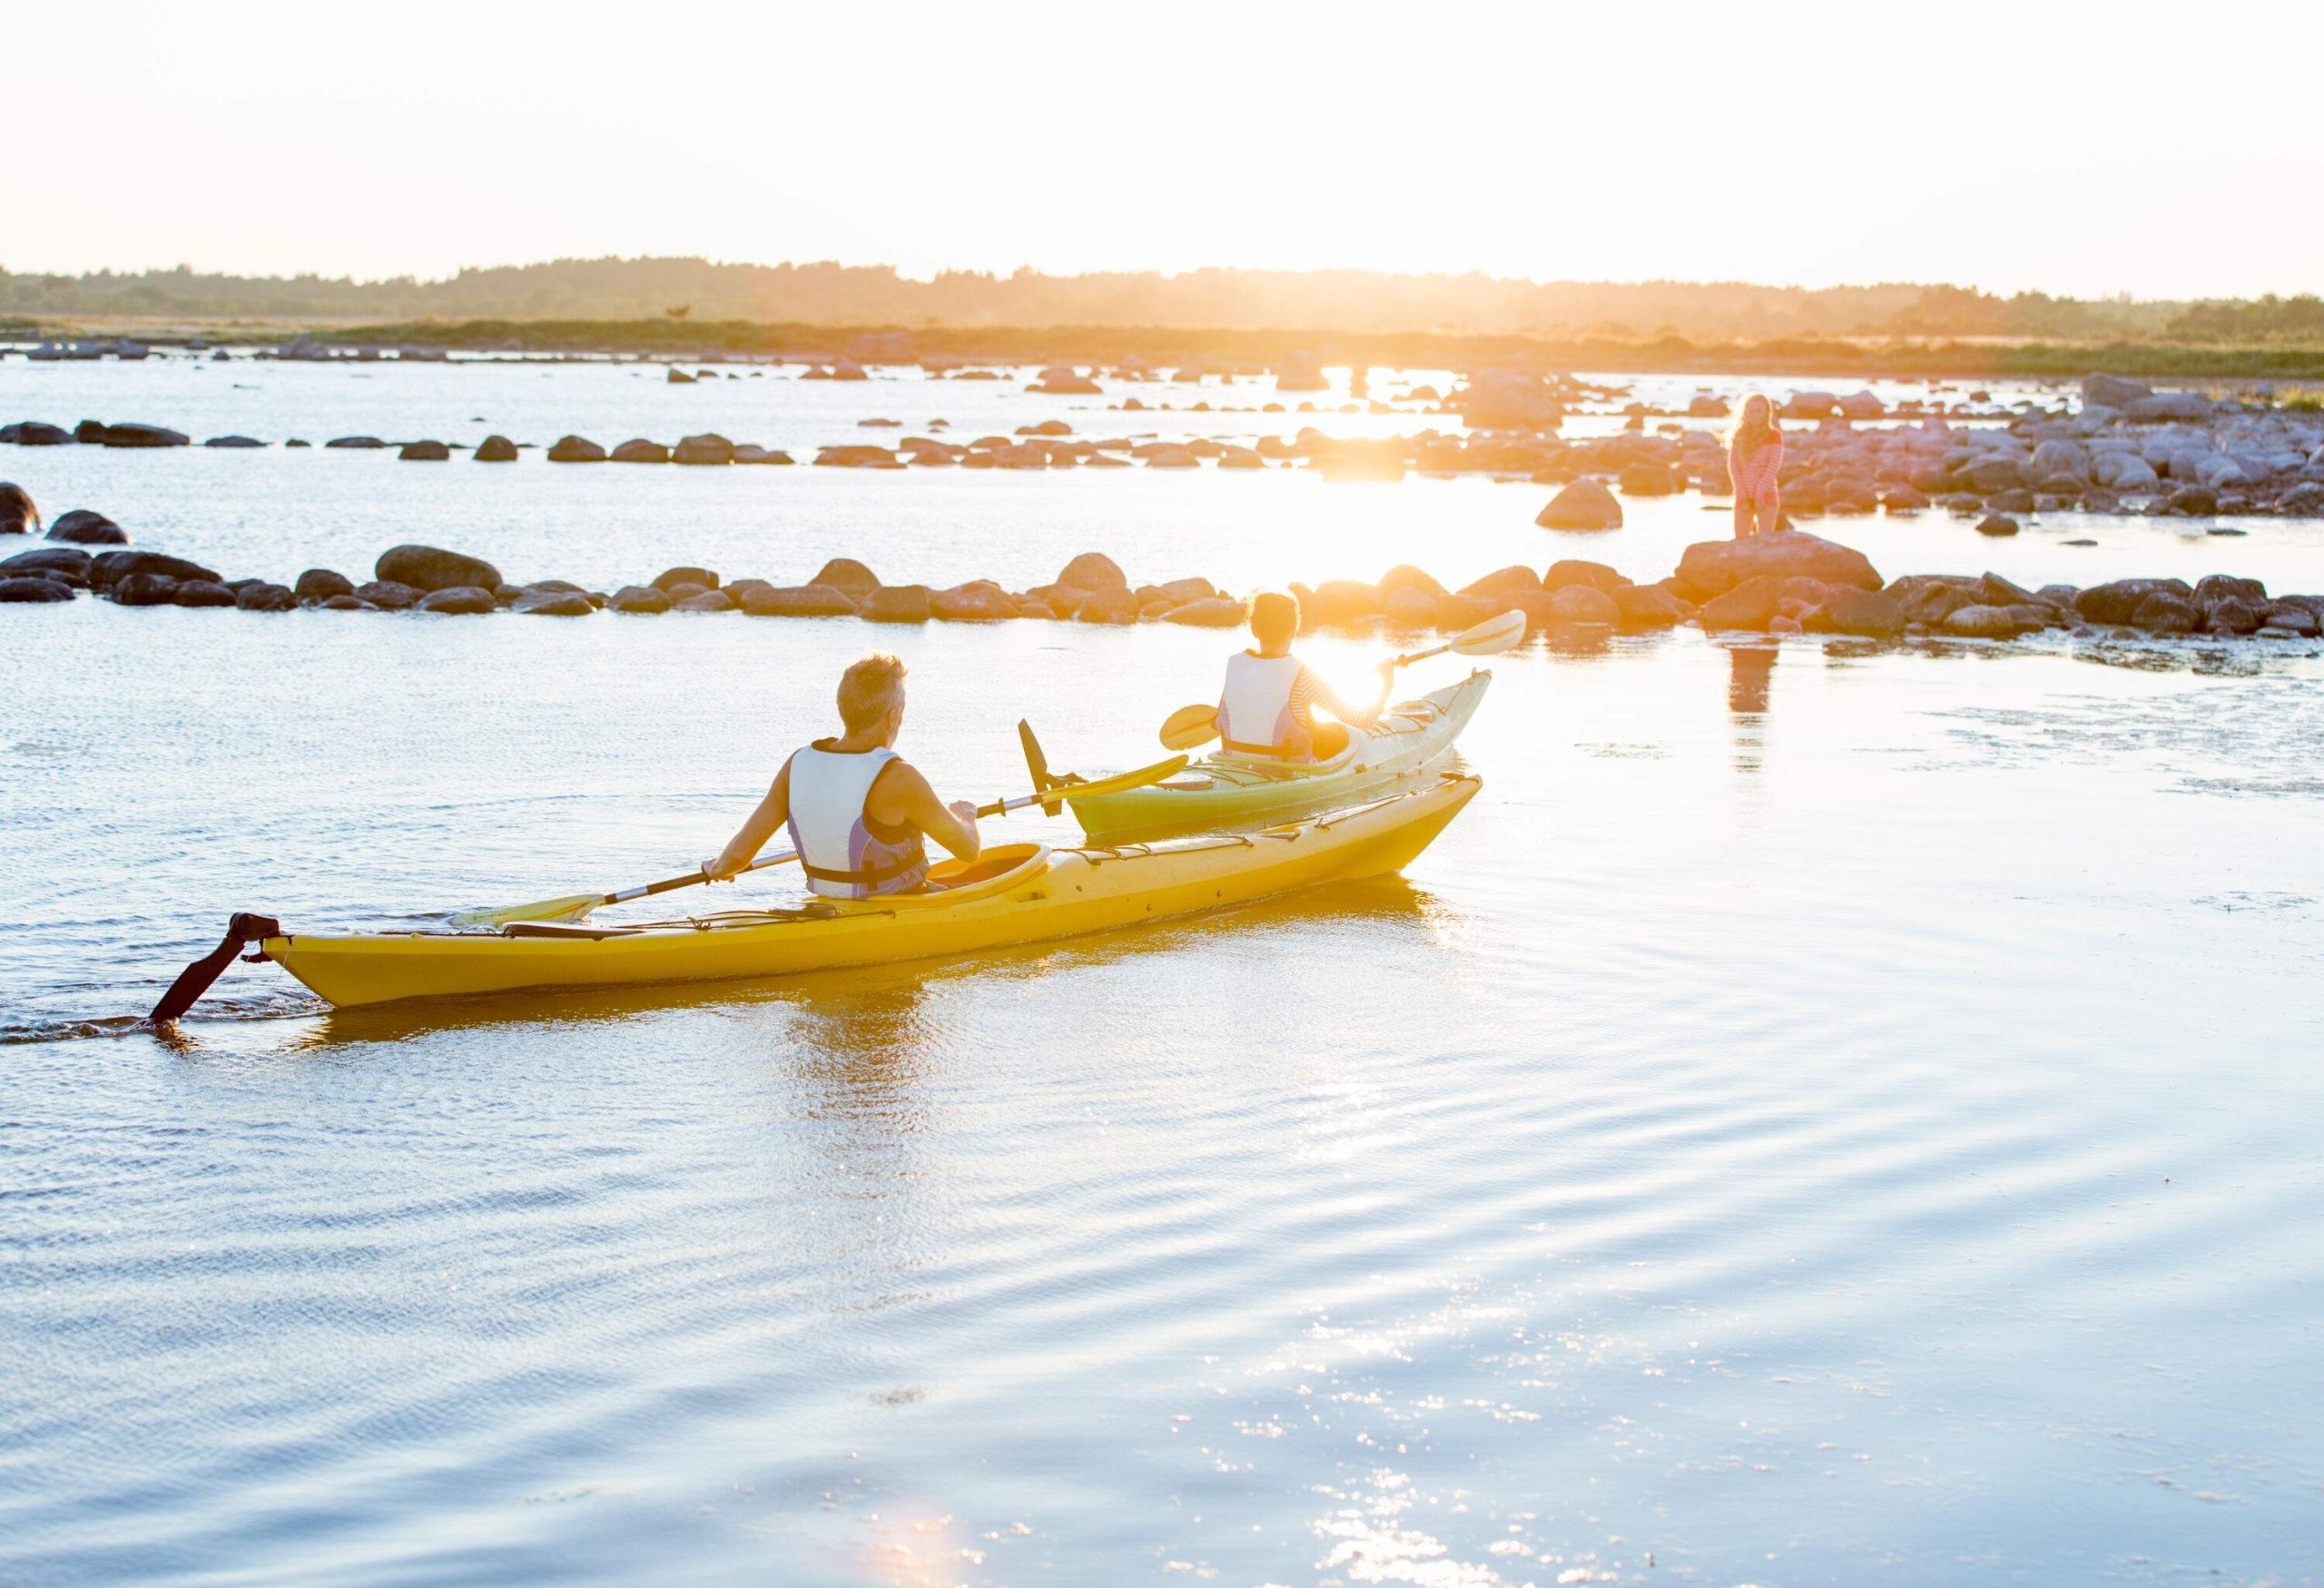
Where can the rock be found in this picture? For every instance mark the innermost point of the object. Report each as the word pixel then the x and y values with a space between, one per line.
pixel 2113 392
pixel 1903 498
pixel 62 563
pixel 536 602
pixel 818 600
pixel 141 436
pixel 202 593
pixel 677 377
pixel 639 451
pixel 705 450
pixel 844 573
pixel 83 526
pixel 1573 571
pixel 1404 577
pixel 1866 613
pixel 355 444
pixel 1096 572
pixel 643 598
pixel 1990 474
pixel 234 443
pixel 576 450
pixel 458 601
pixel 1982 622
pixel 1713 568
pixel 2124 471
pixel 1341 601
pixel 1514 580
pixel 430 568
pixel 495 450
pixel 705 601
pixel 669 579
pixel 25 588
pixel 321 585
pixel 1648 606
pixel 1995 591
pixel 1862 405
pixel 1108 607
pixel 390 595
pixel 1750 604
pixel 1583 604
pixel 34 433
pixel 2165 612
pixel 2013 501
pixel 746 453
pixel 978 601
pixel 1811 405
pixel 2289 620
pixel 1508 400
pixel 1997 524
pixel 1410 608
pixel 2192 501
pixel 2057 460
pixel 426 452
pixel 1062 381
pixel 109 566
pixel 1648 479
pixel 2186 407
pixel 1213 612
pixel 2213 588
pixel 1176 591
pixel 143 589
pixel 17 514
pixel 2232 616
pixel 261 597
pixel 1583 505
pixel 898 603
pixel 856 457
pixel 2113 603
pixel 1467 611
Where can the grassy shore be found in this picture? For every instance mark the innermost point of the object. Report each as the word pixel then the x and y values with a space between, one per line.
pixel 1171 347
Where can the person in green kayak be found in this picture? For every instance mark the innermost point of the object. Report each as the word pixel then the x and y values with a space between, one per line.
pixel 857 811
pixel 1267 704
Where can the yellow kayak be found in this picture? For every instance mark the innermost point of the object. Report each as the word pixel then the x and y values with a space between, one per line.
pixel 1015 893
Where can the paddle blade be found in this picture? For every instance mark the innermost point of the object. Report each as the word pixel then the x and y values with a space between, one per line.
pixel 1120 781
pixel 1037 764
pixel 1490 637
pixel 572 907
pixel 1194 725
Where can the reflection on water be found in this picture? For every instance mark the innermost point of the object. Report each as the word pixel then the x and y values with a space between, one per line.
pixel 1750 674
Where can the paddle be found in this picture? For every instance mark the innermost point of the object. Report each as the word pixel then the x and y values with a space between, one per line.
pixel 1190 725
pixel 575 906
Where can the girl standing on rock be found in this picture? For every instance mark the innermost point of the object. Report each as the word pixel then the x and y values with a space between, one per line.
pixel 1754 457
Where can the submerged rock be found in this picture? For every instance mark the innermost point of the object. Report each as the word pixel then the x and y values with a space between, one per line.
pixel 61 563
pixel 28 588
pixel 261 597
pixel 495 450
pixel 1584 505
pixel 84 526
pixel 458 601
pixel 576 449
pixel 425 452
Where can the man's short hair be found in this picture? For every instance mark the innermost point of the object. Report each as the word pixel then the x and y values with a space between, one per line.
pixel 1274 615
pixel 869 690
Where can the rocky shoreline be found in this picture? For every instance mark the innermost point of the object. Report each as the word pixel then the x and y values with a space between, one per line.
pixel 1787 583
pixel 2124 449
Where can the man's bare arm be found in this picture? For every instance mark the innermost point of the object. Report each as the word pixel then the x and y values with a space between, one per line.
pixel 744 847
pixel 903 795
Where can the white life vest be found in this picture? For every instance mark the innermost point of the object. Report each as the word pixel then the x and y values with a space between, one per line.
pixel 1255 708
pixel 844 858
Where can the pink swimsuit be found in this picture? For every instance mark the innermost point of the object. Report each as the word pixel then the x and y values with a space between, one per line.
pixel 1755 474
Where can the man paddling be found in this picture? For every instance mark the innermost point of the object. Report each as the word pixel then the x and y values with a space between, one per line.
pixel 857 811
pixel 1267 706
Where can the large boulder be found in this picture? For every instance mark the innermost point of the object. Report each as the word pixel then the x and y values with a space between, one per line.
pixel 62 563
pixel 705 601
pixel 1094 571
pixel 135 434
pixel 1336 601
pixel 1713 568
pixel 430 567
pixel 390 595
pixel 1514 580
pixel 641 598
pixel 1581 604
pixel 143 589
pixel 36 433
pixel 576 450
pixel 202 593
pixel 1574 571
pixel 1811 405
pixel 426 452
pixel 844 573
pixel 2184 406
pixel 799 601
pixel 112 565
pixel 536 602
pixel 318 585
pixel 1207 612
pixel 896 604
pixel 1979 621
pixel 710 449
pixel 495 450
pixel 668 581
pixel 28 588
pixel 2000 526
pixel 1584 505
pixel 641 452
pixel 1108 607
pixel 259 596
pixel 2113 392
pixel 1751 605
pixel 1649 479
pixel 1404 577
pixel 458 601
pixel 1508 400
pixel 84 526
pixel 17 514
pixel 2116 601
pixel 978 601
pixel 1648 606
pixel 1867 613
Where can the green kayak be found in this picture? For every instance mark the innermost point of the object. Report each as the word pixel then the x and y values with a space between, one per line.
pixel 1227 789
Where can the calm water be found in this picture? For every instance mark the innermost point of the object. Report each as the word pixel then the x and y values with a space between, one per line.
pixel 1830 1117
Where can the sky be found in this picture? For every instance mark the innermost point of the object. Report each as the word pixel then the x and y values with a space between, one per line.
pixel 2066 147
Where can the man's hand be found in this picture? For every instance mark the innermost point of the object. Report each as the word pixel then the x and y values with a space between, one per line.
pixel 713 870
pixel 964 809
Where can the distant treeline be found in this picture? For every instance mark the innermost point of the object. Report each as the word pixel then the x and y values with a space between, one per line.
pixel 1174 348
pixel 1338 301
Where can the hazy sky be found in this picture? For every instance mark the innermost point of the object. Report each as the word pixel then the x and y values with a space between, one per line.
pixel 2159 150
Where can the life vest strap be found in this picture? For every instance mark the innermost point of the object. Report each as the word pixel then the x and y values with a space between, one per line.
pixel 871 875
